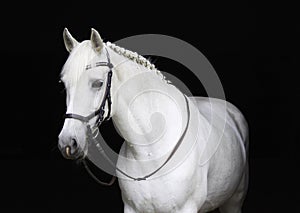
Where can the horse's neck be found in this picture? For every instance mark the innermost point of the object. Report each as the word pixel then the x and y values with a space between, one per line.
pixel 149 113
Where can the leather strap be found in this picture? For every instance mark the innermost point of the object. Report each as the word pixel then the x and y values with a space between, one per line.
pixel 110 183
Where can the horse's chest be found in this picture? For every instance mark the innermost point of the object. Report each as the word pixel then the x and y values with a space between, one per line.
pixel 165 194
pixel 154 196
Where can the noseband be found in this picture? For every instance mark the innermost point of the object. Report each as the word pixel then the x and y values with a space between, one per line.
pixel 106 98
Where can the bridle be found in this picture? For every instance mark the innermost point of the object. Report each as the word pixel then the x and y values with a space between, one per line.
pixel 106 98
pixel 100 113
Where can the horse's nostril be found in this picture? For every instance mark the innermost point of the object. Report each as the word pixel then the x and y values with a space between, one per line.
pixel 71 151
pixel 74 143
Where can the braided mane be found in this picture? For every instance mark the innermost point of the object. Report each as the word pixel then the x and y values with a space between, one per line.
pixel 136 58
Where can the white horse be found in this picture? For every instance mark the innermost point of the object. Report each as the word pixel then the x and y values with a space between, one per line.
pixel 206 139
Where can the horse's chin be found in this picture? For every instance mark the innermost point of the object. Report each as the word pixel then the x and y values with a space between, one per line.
pixel 74 156
pixel 80 158
pixel 84 153
pixel 81 154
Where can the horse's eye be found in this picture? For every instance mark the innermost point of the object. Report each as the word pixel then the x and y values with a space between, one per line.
pixel 97 84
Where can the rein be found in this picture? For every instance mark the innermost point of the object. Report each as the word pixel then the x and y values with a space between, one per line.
pixel 100 113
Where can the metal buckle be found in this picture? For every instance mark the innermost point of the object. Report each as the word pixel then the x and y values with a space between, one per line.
pixel 110 65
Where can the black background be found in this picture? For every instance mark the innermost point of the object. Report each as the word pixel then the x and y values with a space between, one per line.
pixel 252 46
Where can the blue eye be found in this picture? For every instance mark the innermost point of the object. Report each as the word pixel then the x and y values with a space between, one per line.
pixel 97 84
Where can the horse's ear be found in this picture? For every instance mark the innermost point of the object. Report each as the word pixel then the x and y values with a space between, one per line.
pixel 70 42
pixel 96 40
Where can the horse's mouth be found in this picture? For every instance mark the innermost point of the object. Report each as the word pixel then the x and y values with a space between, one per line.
pixel 73 155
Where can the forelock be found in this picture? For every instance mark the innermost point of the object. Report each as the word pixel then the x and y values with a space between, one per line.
pixel 75 65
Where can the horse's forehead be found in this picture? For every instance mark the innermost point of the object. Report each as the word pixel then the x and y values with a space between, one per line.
pixel 77 62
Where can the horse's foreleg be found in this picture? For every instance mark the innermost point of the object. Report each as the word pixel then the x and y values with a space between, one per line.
pixel 198 199
pixel 234 203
